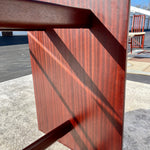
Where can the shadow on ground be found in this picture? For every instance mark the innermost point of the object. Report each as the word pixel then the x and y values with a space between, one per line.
pixel 138 78
pixel 137 130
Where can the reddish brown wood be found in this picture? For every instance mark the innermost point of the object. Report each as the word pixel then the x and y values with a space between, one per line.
pixel 34 15
pixel 50 137
pixel 79 74
pixel 138 23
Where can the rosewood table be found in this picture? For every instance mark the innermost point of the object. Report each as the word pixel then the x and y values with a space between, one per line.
pixel 78 58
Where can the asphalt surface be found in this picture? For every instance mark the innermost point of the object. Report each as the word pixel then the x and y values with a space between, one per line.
pixel 147 41
pixel 138 78
pixel 14 40
pixel 15 59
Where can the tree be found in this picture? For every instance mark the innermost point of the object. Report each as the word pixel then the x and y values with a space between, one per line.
pixel 138 6
pixel 148 7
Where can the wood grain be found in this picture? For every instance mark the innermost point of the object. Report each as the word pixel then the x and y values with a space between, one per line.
pixel 48 139
pixel 138 23
pixel 34 15
pixel 79 74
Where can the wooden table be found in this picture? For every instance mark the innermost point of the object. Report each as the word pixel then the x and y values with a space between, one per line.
pixel 78 59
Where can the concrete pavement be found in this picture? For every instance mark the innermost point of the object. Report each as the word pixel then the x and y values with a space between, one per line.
pixel 138 66
pixel 18 125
